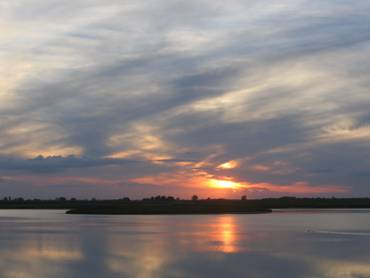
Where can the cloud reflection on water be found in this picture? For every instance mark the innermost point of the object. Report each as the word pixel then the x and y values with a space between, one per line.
pixel 274 245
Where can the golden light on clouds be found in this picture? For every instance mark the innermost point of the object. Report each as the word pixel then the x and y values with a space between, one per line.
pixel 123 154
pixel 54 151
pixel 143 141
pixel 261 168
pixel 229 165
pixel 31 151
pixel 33 140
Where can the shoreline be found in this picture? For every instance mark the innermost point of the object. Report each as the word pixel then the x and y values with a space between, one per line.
pixel 108 212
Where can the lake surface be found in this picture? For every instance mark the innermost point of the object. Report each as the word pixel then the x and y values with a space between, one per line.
pixel 302 243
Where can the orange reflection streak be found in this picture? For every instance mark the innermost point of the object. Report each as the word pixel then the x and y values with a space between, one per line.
pixel 227 234
pixel 221 236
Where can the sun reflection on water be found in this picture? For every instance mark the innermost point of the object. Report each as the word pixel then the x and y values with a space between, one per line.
pixel 226 234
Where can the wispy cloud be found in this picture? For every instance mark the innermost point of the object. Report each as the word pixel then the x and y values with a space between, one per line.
pixel 182 88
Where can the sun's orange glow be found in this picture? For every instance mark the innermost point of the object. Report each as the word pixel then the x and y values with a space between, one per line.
pixel 224 184
pixel 228 165
pixel 216 186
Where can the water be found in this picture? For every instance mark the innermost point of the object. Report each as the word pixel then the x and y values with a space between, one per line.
pixel 305 243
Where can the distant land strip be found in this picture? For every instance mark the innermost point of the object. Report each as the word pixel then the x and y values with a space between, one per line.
pixel 171 205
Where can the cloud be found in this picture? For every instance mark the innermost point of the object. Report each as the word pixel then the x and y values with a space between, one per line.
pixel 146 89
pixel 56 163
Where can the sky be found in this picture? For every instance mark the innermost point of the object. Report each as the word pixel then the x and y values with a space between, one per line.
pixel 112 98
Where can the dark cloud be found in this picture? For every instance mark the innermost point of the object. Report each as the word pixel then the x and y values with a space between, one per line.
pixel 52 164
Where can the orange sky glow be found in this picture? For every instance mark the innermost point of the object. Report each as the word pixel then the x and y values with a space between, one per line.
pixel 216 185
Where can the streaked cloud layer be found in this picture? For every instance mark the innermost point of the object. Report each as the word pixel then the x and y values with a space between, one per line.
pixel 119 98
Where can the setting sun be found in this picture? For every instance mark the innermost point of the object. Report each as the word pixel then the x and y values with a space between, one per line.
pixel 223 184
